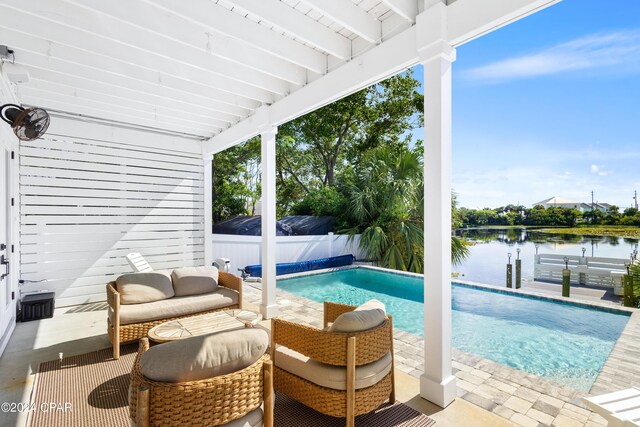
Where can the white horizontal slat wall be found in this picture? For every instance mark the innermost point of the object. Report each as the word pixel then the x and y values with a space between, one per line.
pixel 92 193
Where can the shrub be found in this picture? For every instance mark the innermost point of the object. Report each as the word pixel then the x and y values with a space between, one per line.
pixel 325 201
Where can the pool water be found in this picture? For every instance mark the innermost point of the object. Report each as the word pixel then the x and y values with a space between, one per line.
pixel 562 342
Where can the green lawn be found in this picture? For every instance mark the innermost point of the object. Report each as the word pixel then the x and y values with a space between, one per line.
pixel 602 230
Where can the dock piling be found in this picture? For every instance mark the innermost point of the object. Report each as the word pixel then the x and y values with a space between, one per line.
pixel 566 279
pixel 509 272
pixel 518 270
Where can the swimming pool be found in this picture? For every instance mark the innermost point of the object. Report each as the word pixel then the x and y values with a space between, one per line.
pixel 562 342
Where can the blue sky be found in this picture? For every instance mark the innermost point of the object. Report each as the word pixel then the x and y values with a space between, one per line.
pixel 550 106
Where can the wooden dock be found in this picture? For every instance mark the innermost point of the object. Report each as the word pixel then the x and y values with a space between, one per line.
pixel 594 272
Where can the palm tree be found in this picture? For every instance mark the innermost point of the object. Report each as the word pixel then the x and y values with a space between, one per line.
pixel 459 247
pixel 386 200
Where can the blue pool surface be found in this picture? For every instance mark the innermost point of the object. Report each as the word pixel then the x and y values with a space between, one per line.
pixel 565 343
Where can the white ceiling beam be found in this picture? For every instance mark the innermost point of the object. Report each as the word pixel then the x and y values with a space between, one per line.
pixel 469 19
pixel 408 9
pixel 166 25
pixel 349 16
pixel 89 129
pixel 173 104
pixel 71 97
pixel 110 115
pixel 37 52
pixel 132 45
pixel 392 56
pixel 220 20
pixel 132 104
pixel 299 25
pixel 74 77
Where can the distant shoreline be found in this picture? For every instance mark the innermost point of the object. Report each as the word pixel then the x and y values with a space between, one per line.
pixel 617 231
pixel 604 230
pixel 507 227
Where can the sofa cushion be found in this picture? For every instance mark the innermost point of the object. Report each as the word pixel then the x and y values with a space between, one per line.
pixel 138 288
pixel 252 419
pixel 194 280
pixel 204 356
pixel 334 377
pixel 176 306
pixel 367 316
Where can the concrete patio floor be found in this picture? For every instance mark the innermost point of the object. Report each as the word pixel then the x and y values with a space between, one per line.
pixel 81 329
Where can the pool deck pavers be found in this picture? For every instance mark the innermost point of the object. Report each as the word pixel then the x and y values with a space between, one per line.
pixel 524 399
pixel 622 368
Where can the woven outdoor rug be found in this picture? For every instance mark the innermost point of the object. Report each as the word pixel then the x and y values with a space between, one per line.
pixel 95 385
pixel 95 389
pixel 290 413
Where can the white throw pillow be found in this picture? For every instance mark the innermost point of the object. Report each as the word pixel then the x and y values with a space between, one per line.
pixel 367 316
pixel 194 280
pixel 138 288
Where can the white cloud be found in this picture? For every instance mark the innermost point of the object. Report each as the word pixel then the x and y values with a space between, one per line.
pixel 600 170
pixel 594 51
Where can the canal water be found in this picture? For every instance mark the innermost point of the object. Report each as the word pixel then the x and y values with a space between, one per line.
pixel 490 247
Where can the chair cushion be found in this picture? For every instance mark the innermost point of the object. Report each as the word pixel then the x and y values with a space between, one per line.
pixel 252 419
pixel 138 288
pixel 367 316
pixel 334 377
pixel 194 280
pixel 205 356
pixel 176 306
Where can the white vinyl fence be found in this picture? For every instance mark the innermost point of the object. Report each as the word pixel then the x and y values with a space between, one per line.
pixel 247 250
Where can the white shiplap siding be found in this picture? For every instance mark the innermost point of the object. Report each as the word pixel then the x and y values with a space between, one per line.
pixel 91 195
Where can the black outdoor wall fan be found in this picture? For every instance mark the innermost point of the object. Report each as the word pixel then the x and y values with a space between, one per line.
pixel 27 123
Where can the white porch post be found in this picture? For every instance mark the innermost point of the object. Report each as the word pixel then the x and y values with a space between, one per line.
pixel 268 308
pixel 437 384
pixel 208 210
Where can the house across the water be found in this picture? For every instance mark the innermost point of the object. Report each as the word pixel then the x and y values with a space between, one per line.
pixel 560 202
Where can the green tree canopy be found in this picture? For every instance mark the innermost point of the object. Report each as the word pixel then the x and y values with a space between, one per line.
pixel 319 146
pixel 236 180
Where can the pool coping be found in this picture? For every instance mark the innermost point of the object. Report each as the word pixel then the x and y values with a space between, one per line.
pixel 603 306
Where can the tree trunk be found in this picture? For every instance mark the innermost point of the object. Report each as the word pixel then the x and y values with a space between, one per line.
pixel 214 195
pixel 331 166
pixel 332 159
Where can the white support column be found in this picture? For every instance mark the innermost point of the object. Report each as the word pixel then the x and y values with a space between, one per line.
pixel 208 210
pixel 437 384
pixel 268 308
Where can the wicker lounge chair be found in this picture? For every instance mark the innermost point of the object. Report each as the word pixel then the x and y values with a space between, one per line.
pixel 138 263
pixel 341 374
pixel 230 399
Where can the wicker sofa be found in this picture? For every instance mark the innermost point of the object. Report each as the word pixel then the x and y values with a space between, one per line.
pixel 135 310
